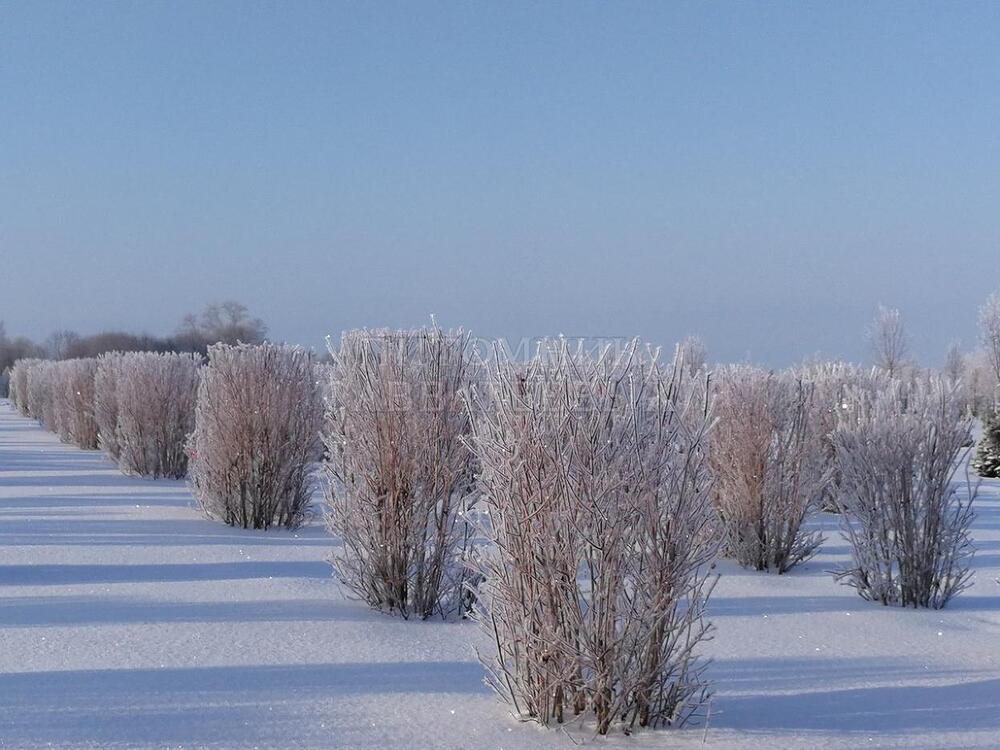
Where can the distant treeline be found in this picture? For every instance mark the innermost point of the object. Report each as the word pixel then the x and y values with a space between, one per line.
pixel 228 322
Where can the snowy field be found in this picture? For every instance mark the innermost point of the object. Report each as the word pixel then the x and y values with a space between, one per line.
pixel 129 621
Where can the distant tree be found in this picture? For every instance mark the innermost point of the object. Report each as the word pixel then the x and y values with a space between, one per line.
pixel 989 328
pixel 980 382
pixel 888 340
pixel 117 341
pixel 959 370
pixel 954 363
pixel 59 344
pixel 226 323
pixel 693 353
pixel 13 349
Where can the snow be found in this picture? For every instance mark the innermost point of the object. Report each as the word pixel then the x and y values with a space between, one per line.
pixel 129 621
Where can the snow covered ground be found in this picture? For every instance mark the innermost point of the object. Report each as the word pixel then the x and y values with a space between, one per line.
pixel 129 621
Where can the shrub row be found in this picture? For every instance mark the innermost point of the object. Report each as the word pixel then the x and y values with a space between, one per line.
pixel 137 407
pixel 58 394
pixel 258 411
pixel 604 485
pixel 573 504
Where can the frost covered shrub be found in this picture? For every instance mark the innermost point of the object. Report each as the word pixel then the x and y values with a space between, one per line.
pixel 72 395
pixel 257 424
pixel 19 385
pixel 596 491
pixel 106 402
pixel 989 327
pixel 770 469
pixel 400 477
pixel 41 404
pixel 154 396
pixel 831 383
pixel 907 524
pixel 987 459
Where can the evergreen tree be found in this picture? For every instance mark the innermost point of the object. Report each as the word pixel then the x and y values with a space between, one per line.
pixel 987 460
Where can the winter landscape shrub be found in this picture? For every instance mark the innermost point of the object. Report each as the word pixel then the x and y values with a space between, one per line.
pixel 769 464
pixel 153 398
pixel 60 395
pixel 831 383
pixel 106 402
pixel 72 396
pixel 400 478
pixel 39 389
pixel 989 328
pixel 257 424
pixel 907 524
pixel 19 385
pixel 596 487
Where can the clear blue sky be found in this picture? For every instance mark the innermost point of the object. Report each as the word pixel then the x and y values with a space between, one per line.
pixel 763 174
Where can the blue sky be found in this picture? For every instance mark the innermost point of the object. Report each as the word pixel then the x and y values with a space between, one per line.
pixel 763 174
